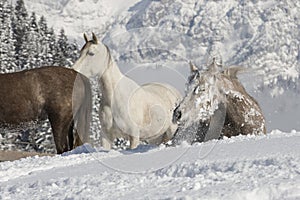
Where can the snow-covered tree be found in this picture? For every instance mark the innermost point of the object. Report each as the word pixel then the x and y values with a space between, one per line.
pixel 33 43
pixel 51 47
pixel 44 42
pixel 20 34
pixel 62 47
pixel 72 53
pixel 6 48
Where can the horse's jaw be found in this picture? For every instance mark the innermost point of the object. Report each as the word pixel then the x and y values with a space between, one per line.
pixel 88 68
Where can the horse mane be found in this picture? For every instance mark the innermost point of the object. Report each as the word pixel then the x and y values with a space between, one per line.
pixel 109 54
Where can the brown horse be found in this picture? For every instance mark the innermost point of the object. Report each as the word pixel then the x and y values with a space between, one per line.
pixel 59 94
pixel 216 104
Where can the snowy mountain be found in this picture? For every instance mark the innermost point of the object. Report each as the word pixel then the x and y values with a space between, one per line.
pixel 255 34
pixel 78 16
pixel 244 167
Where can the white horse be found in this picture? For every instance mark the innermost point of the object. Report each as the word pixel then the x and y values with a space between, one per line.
pixel 127 109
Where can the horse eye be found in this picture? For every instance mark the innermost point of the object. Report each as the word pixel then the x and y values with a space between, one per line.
pixel 202 88
pixel 199 88
pixel 90 53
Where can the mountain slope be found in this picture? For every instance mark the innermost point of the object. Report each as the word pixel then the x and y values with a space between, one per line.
pixel 79 16
pixel 254 34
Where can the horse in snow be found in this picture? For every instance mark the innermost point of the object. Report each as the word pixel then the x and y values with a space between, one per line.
pixel 216 104
pixel 59 94
pixel 127 109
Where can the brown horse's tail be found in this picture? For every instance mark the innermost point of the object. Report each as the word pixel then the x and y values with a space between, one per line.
pixel 82 118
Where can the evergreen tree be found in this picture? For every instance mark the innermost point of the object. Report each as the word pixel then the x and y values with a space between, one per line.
pixel 20 33
pixel 51 50
pixel 44 42
pixel 72 53
pixel 62 47
pixel 32 45
pixel 6 48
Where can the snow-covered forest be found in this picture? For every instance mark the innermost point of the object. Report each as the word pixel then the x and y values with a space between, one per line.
pixel 28 42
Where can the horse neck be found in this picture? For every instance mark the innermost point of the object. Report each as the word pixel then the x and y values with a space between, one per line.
pixel 109 80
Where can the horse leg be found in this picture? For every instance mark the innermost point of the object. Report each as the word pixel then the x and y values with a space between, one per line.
pixel 60 129
pixel 134 141
pixel 105 143
pixel 107 130
pixel 71 136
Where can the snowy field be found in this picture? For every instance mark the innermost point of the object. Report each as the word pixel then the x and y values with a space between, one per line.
pixel 243 167
pixel 262 35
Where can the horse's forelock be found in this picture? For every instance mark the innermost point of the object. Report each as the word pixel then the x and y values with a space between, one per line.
pixel 88 44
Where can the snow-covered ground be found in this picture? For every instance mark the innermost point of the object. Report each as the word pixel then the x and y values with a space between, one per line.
pixel 162 35
pixel 243 167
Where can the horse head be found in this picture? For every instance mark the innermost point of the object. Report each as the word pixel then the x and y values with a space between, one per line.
pixel 202 97
pixel 94 57
pixel 216 104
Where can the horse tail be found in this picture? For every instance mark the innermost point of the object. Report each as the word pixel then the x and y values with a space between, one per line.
pixel 83 116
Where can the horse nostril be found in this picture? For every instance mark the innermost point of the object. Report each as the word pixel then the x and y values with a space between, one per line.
pixel 177 115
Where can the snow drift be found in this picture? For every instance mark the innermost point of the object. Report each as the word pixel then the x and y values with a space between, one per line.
pixel 243 167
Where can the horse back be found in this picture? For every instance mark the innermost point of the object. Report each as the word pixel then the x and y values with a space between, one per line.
pixel 244 114
pixel 28 95
pixel 164 91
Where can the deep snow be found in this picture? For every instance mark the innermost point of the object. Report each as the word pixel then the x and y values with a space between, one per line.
pixel 243 167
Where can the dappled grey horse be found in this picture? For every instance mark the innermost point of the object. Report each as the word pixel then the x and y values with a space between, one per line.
pixel 59 94
pixel 215 105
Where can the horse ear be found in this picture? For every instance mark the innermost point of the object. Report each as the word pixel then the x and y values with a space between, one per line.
pixel 85 38
pixel 193 67
pixel 214 66
pixel 95 38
